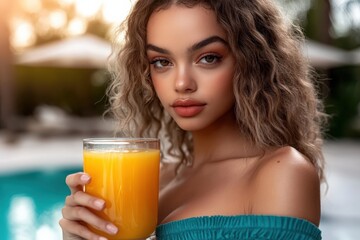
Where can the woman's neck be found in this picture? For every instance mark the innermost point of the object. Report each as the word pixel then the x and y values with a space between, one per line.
pixel 222 141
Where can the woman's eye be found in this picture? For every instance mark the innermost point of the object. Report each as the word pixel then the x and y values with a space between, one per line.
pixel 160 63
pixel 210 59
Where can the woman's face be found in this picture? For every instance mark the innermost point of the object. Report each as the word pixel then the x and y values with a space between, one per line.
pixel 191 65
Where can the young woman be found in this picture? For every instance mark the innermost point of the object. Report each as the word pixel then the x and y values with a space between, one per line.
pixel 226 85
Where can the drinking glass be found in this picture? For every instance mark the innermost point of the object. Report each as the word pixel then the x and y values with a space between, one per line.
pixel 125 173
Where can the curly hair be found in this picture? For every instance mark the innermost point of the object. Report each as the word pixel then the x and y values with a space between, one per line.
pixel 276 101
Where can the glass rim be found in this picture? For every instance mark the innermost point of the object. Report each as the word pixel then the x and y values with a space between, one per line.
pixel 119 140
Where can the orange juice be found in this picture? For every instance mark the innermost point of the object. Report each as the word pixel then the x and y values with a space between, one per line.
pixel 128 180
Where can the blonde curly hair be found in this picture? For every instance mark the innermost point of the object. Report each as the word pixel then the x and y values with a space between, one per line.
pixel 276 100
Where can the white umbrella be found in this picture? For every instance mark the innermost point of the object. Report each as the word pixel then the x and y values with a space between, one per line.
pixel 356 56
pixel 91 51
pixel 325 56
pixel 85 51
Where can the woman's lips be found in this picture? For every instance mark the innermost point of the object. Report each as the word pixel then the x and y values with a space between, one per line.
pixel 187 107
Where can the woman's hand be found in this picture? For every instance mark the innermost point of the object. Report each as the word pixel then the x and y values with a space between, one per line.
pixel 76 213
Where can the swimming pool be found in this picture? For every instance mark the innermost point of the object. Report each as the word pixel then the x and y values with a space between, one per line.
pixel 31 202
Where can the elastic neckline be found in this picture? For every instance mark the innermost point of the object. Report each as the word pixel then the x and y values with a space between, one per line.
pixel 271 223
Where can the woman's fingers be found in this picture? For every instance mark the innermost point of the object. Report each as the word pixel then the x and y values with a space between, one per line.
pixel 76 181
pixel 77 230
pixel 76 214
pixel 84 199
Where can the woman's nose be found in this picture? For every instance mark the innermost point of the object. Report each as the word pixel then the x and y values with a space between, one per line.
pixel 184 82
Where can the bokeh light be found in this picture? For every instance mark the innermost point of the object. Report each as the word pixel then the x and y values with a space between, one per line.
pixel 57 19
pixel 31 6
pixel 87 8
pixel 115 11
pixel 23 34
pixel 42 20
pixel 77 26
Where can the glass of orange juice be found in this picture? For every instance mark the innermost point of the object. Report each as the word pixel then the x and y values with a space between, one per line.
pixel 125 173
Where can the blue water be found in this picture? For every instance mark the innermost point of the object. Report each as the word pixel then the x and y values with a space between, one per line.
pixel 30 204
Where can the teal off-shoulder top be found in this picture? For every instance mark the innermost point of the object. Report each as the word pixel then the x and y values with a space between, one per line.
pixel 241 227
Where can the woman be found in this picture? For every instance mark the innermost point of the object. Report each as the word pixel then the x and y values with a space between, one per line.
pixel 225 83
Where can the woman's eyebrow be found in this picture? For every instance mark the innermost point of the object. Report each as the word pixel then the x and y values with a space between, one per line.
pixel 207 41
pixel 157 49
pixel 193 48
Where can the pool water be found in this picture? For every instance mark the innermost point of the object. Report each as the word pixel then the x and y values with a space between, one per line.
pixel 31 202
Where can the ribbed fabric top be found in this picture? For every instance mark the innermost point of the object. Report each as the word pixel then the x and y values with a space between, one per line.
pixel 241 227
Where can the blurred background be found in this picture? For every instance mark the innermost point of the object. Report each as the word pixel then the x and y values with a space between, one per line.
pixel 53 77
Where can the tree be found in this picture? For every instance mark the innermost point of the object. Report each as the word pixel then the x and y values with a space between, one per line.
pixel 335 23
pixel 350 37
pixel 318 23
pixel 327 21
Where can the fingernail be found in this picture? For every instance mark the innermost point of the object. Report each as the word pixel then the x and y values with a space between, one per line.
pixel 84 177
pixel 111 228
pixel 99 203
pixel 102 238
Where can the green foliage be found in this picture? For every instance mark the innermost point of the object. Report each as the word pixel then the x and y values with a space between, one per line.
pixel 80 92
pixel 318 21
pixel 343 101
pixel 350 41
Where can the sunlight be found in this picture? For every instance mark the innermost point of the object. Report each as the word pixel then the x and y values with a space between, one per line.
pixel 45 232
pixel 23 34
pixel 57 19
pixel 43 24
pixel 354 12
pixel 115 11
pixel 31 6
pixel 77 26
pixel 52 21
pixel 343 19
pixel 87 8
pixel 22 217
pixel 66 2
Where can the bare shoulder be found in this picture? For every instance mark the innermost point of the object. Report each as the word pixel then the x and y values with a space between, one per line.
pixel 287 184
